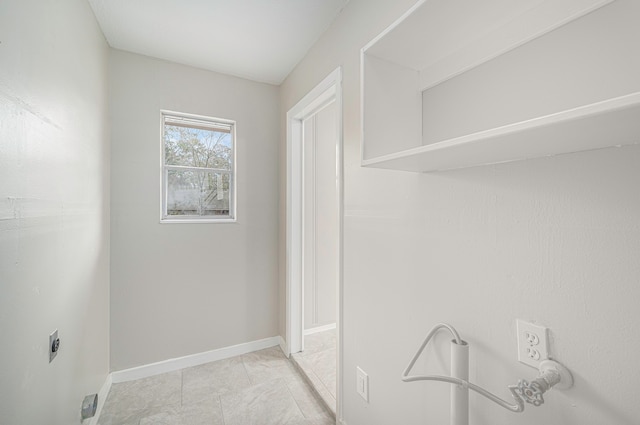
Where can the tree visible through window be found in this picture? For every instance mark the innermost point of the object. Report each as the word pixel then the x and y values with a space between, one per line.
pixel 198 170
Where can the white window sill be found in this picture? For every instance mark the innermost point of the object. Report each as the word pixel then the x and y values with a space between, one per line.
pixel 197 220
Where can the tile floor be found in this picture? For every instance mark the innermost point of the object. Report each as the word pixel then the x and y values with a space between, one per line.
pixel 260 388
pixel 318 363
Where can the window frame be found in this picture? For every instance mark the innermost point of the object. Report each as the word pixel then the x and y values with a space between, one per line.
pixel 232 217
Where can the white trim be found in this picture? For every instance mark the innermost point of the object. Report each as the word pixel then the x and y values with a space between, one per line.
pixel 321 99
pixel 330 87
pixel 233 173
pixel 396 23
pixel 340 289
pixel 283 345
pixel 314 232
pixel 102 397
pixel 308 105
pixel 516 141
pixel 192 360
pixel 318 329
pixel 293 260
pixel 362 100
pixel 198 221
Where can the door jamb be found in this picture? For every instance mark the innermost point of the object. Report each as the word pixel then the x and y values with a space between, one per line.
pixel 330 87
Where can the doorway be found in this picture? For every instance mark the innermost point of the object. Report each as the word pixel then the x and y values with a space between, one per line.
pixel 314 237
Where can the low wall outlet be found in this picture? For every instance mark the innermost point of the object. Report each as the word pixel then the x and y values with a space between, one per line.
pixel 533 343
pixel 362 384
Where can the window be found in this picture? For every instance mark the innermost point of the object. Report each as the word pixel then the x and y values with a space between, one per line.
pixel 198 168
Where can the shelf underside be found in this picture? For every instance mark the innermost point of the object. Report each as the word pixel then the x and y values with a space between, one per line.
pixel 443 38
pixel 613 122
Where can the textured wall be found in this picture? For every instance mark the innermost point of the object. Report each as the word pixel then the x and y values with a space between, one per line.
pixel 554 240
pixel 180 289
pixel 54 213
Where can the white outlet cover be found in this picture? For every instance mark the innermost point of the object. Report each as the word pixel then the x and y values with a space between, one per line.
pixel 362 384
pixel 533 343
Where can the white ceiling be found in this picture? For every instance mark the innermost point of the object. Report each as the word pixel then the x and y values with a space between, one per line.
pixel 261 40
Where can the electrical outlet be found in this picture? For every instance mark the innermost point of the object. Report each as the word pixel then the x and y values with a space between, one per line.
pixel 533 343
pixel 54 345
pixel 362 384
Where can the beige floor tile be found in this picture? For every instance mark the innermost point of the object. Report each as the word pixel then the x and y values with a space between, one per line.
pixel 319 387
pixel 307 400
pixel 267 365
pixel 129 401
pixel 314 421
pixel 319 341
pixel 318 361
pixel 215 378
pixel 120 417
pixel 205 412
pixel 261 388
pixel 323 365
pixel 270 403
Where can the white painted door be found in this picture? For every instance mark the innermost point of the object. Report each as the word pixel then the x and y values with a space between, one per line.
pixel 320 217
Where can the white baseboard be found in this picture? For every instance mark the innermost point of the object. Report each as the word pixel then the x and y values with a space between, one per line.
pixel 102 397
pixel 193 360
pixel 320 329
pixel 283 345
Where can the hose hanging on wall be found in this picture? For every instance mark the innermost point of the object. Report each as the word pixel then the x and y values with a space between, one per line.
pixel 551 374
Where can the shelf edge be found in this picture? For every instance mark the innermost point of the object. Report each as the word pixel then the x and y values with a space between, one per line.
pixel 581 112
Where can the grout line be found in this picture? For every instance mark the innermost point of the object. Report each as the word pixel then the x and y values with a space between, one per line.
pixel 286 384
pixel 308 374
pixel 323 384
pixel 246 372
pixel 318 375
pixel 313 370
pixel 141 415
pixel 308 384
pixel 181 388
pixel 221 409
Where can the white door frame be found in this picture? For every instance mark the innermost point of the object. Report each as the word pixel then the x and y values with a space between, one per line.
pixel 330 88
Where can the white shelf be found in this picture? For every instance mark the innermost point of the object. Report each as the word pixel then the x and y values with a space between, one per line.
pixel 604 124
pixel 458 83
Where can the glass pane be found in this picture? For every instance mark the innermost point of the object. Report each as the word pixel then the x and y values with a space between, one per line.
pixel 199 193
pixel 197 147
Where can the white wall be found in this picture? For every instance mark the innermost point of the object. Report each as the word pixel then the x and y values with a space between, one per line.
pixel 320 213
pixel 180 289
pixel 54 209
pixel 554 240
